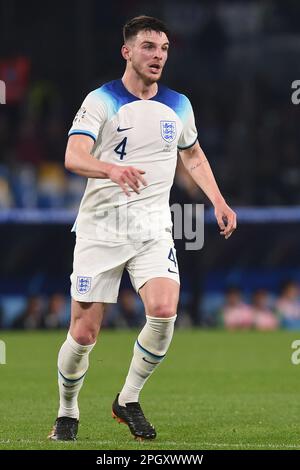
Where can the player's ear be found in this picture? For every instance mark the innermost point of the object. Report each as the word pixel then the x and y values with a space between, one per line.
pixel 125 51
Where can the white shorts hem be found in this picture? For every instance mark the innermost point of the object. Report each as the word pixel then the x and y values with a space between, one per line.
pixel 95 298
pixel 155 276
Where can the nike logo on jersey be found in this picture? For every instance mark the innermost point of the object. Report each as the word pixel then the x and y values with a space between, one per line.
pixel 146 360
pixel 170 271
pixel 124 129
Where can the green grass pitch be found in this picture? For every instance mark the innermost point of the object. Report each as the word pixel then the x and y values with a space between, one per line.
pixel 215 390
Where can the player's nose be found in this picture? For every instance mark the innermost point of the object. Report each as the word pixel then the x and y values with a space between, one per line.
pixel 158 54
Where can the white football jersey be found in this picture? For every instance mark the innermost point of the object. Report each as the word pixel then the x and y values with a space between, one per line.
pixel 131 131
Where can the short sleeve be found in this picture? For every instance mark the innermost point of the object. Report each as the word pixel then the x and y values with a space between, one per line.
pixel 90 117
pixel 188 136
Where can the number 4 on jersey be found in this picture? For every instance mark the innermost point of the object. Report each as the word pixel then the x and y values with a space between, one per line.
pixel 172 258
pixel 120 148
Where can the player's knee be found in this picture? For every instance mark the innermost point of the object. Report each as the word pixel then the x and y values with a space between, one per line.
pixel 85 336
pixel 161 310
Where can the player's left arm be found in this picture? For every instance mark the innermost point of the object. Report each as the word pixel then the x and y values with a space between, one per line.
pixel 199 168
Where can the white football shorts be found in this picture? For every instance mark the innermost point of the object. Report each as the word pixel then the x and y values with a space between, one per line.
pixel 98 267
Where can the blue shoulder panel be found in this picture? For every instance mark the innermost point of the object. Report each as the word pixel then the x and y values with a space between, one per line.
pixel 176 101
pixel 115 95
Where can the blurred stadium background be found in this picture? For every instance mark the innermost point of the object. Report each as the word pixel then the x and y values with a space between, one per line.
pixel 236 60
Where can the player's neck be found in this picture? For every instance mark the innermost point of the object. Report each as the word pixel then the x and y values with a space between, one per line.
pixel 138 88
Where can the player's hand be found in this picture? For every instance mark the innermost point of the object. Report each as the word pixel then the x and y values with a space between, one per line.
pixel 226 219
pixel 127 177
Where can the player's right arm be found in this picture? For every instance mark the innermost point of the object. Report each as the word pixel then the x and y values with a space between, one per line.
pixel 84 131
pixel 78 159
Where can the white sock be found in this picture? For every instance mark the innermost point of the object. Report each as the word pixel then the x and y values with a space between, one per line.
pixel 73 362
pixel 149 350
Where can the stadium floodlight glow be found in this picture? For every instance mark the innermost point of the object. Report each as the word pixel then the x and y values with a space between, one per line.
pixel 296 94
pixel 2 92
pixel 2 352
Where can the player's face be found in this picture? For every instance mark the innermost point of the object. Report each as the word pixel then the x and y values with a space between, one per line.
pixel 148 54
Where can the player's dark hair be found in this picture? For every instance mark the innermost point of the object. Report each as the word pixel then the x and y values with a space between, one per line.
pixel 143 23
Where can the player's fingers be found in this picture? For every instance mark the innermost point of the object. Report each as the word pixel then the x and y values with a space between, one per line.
pixel 124 187
pixel 227 235
pixel 133 178
pixel 142 180
pixel 227 231
pixel 221 222
pixel 132 184
pixel 138 173
pixel 231 226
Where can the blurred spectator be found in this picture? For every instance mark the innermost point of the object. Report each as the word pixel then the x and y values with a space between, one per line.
pixel 32 317
pixel 288 306
pixel 236 313
pixel 6 198
pixel 51 185
pixel 128 312
pixel 75 186
pixel 55 312
pixel 29 145
pixel 24 184
pixel 264 317
pixel 55 140
pixel 129 309
pixel 12 307
pixel 15 72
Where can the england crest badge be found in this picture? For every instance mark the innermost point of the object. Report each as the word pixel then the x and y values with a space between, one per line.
pixel 83 284
pixel 168 130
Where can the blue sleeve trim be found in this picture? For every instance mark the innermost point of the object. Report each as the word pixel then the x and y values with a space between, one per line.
pixel 90 134
pixel 188 146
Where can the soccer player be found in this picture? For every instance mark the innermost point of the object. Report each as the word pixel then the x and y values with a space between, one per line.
pixel 125 139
